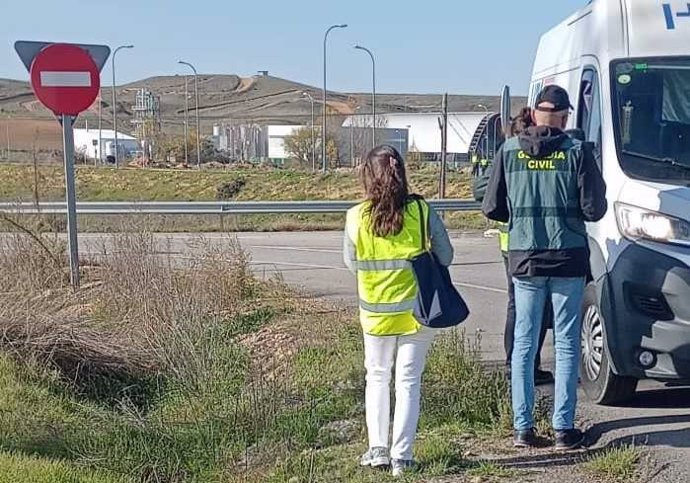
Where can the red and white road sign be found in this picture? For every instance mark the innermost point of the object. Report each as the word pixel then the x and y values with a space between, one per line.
pixel 65 79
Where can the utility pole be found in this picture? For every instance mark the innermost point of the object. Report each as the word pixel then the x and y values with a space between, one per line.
pixel 443 124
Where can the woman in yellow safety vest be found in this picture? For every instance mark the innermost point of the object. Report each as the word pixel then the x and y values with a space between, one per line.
pixel 382 234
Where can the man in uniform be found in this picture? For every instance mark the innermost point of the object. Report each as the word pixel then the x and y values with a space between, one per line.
pixel 546 185
pixel 479 189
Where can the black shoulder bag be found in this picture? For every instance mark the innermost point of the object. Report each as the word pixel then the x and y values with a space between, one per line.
pixel 439 304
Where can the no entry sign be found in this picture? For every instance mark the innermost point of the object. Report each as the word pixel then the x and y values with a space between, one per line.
pixel 65 79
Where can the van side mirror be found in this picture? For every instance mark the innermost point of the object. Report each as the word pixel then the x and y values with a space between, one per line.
pixel 576 133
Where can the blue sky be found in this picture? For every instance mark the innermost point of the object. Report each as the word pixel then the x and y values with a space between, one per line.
pixel 459 46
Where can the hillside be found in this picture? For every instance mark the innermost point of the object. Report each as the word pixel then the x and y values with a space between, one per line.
pixel 226 98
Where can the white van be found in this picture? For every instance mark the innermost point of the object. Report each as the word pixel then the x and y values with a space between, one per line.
pixel 626 66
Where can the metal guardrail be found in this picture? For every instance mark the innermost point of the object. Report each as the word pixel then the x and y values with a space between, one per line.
pixel 208 207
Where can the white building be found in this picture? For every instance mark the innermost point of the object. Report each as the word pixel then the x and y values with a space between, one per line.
pixel 424 134
pixel 86 141
pixel 276 140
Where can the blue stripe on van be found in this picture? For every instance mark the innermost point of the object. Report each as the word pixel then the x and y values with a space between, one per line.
pixel 668 13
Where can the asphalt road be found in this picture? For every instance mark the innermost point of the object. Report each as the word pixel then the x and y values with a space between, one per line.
pixel 659 418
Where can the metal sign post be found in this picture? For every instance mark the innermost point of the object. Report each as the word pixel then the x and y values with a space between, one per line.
pixel 73 243
pixel 66 79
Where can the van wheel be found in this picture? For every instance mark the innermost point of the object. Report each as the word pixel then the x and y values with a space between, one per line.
pixel 599 382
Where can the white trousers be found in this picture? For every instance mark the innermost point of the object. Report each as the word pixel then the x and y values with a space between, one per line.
pixel 379 358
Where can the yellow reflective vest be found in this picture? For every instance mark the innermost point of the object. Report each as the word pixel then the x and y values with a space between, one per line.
pixel 385 282
pixel 503 237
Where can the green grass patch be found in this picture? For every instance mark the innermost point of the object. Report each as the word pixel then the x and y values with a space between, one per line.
pixel 616 464
pixel 110 184
pixel 457 388
pixel 487 471
pixel 18 468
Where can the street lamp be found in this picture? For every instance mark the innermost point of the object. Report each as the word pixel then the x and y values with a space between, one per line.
pixel 373 94
pixel 324 162
pixel 196 95
pixel 186 120
pixel 117 164
pixel 313 137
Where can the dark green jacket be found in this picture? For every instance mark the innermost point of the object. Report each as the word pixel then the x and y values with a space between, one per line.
pixel 546 185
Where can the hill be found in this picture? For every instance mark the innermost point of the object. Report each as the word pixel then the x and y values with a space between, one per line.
pixel 226 98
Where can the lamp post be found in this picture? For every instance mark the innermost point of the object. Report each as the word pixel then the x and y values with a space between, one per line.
pixel 324 162
pixel 196 95
pixel 373 94
pixel 186 120
pixel 117 163
pixel 313 137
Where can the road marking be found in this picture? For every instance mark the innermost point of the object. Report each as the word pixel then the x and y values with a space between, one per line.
pixel 481 287
pixel 65 79
pixel 303 265
pixel 343 269
pixel 297 249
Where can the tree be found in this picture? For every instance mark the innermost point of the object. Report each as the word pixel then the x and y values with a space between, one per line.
pixel 299 147
pixel 167 146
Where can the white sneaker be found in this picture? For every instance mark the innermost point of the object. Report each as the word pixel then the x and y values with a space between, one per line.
pixel 400 467
pixel 376 458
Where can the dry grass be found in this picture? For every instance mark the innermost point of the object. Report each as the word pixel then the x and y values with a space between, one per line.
pixel 140 314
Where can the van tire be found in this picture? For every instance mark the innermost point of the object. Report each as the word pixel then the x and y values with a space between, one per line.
pixel 598 381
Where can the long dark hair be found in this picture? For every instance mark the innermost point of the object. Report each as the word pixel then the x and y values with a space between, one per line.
pixel 385 184
pixel 521 122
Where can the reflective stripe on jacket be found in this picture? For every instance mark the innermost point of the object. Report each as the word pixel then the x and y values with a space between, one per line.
pixel 385 282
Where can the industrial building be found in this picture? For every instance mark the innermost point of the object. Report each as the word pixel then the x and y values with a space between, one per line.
pixel 86 141
pixel 467 132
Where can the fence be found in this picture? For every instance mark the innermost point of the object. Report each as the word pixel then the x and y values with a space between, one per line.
pixel 210 207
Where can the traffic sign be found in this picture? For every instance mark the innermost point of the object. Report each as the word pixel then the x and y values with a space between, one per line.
pixel 29 49
pixel 65 79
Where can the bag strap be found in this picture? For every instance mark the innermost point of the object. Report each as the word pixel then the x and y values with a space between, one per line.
pixel 422 224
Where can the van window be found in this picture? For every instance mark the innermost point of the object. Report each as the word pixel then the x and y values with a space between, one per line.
pixel 589 110
pixel 651 113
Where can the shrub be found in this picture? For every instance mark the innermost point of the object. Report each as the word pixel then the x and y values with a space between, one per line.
pixel 230 189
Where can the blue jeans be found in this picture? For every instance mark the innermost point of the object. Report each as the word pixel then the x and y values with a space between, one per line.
pixel 531 294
